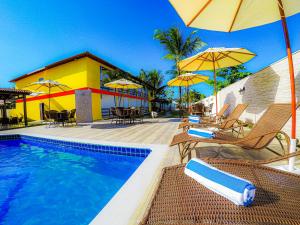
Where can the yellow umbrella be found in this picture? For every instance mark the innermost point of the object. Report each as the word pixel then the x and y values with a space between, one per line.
pixel 49 85
pixel 186 80
pixel 233 15
pixel 123 84
pixel 216 58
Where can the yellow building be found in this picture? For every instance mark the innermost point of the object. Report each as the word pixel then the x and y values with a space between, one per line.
pixel 82 73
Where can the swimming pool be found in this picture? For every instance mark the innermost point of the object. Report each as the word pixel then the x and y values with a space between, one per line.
pixel 47 181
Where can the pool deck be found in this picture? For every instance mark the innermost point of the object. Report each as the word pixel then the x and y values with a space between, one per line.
pixel 158 132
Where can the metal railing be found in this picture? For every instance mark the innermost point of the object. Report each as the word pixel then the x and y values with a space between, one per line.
pixel 138 93
pixel 106 113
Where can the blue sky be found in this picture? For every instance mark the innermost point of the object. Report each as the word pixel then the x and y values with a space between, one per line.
pixel 35 33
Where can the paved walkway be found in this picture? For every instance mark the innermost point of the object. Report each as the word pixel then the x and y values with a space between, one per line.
pixel 152 131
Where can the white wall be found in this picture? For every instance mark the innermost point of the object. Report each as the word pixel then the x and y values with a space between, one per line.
pixel 269 85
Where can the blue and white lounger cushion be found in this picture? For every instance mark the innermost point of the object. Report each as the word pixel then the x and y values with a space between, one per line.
pixel 196 132
pixel 194 119
pixel 238 190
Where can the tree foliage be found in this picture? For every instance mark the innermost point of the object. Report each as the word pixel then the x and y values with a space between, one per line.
pixel 178 47
pixel 230 75
pixel 155 79
pixel 176 44
pixel 168 93
pixel 194 96
pixel 111 75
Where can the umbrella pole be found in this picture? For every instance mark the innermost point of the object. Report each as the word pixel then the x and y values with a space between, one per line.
pixel 115 99
pixel 119 99
pixel 215 86
pixel 188 97
pixel 292 83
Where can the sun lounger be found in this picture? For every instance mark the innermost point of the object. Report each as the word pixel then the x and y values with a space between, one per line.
pixel 232 122
pixel 265 130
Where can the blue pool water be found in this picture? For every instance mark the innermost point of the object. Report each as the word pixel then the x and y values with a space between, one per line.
pixel 44 183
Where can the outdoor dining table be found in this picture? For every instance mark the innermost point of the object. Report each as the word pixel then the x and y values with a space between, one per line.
pixel 62 118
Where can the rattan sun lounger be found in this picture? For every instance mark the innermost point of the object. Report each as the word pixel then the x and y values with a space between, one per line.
pixel 217 118
pixel 232 122
pixel 180 200
pixel 265 130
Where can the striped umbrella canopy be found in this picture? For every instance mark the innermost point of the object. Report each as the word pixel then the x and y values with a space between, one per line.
pixel 186 80
pixel 123 84
pixel 49 86
pixel 233 15
pixel 216 58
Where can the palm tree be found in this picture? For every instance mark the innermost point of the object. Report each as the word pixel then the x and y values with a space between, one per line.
pixel 178 46
pixel 111 75
pixel 155 79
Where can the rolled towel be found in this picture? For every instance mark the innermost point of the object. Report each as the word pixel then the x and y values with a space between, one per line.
pixel 235 189
pixel 196 132
pixel 194 119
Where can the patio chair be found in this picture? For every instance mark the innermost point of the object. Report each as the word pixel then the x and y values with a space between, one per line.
pixel 133 114
pixel 112 114
pixel 140 115
pixel 214 118
pixel 179 199
pixel 53 117
pixel 63 117
pixel 13 121
pixel 72 117
pixel 121 115
pixel 20 120
pixel 198 109
pixel 232 122
pixel 5 122
pixel 264 131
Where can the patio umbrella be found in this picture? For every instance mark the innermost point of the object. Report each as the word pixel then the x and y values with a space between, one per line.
pixel 186 80
pixel 37 93
pixel 49 85
pixel 242 14
pixel 123 84
pixel 216 58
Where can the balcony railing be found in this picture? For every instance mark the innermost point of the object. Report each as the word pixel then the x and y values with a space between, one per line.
pixel 129 92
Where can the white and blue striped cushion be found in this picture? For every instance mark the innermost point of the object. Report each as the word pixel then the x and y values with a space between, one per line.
pixel 196 132
pixel 194 119
pixel 235 189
